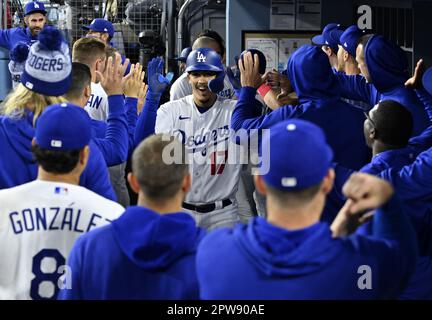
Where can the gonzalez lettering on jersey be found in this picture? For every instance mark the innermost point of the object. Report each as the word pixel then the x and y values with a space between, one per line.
pixel 53 218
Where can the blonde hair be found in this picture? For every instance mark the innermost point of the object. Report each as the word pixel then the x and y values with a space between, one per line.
pixel 88 50
pixel 20 100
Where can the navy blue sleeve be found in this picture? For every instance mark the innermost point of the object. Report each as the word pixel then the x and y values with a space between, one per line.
pixel 247 114
pixel 391 223
pixel 95 176
pixel 147 119
pixel 413 181
pixel 424 140
pixel 114 146
pixel 132 118
pixel 355 87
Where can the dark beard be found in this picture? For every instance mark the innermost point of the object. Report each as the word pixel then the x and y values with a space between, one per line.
pixel 32 31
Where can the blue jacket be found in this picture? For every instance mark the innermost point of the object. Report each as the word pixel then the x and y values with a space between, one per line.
pixel 387 66
pixel 318 91
pixel 141 255
pixel 114 143
pixel 262 261
pixel 17 165
pixel 10 37
pixel 102 129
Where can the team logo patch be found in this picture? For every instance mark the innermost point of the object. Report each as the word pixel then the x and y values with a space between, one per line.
pixel 61 190
pixel 289 182
pixel 56 143
pixel 36 6
pixel 201 57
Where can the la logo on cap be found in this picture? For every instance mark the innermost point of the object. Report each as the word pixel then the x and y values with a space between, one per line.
pixel 345 44
pixel 36 5
pixel 200 57
pixel 105 29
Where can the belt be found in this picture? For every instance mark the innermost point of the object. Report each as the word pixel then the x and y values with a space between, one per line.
pixel 205 208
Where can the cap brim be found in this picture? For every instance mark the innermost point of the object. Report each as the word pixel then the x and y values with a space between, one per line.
pixel 85 27
pixel 427 80
pixel 319 40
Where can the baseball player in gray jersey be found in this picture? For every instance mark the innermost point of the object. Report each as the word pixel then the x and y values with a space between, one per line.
pixel 202 122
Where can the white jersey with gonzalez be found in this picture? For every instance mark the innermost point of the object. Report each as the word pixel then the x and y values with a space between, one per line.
pixel 39 223
pixel 207 136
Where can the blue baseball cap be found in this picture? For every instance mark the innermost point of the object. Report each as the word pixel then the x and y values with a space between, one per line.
pixel 33 7
pixel 330 36
pixel 204 59
pixel 101 25
pixel 427 80
pixel 349 39
pixel 63 127
pixel 184 54
pixel 299 156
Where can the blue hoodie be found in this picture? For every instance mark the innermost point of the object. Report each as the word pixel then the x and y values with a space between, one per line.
pixel 141 255
pixel 17 165
pixel 388 69
pixel 318 91
pixel 10 37
pixel 114 143
pixel 262 261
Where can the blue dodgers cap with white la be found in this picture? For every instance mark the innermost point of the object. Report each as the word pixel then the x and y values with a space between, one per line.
pixel 330 36
pixel 101 25
pixel 33 7
pixel 63 127
pixel 204 59
pixel 299 156
pixel 48 68
pixel 349 39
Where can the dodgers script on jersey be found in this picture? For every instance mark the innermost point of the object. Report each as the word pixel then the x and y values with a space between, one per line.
pixel 208 138
pixel 97 105
pixel 39 222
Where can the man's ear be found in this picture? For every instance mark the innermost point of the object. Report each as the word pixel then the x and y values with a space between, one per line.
pixel 345 56
pixel 105 37
pixel 372 134
pixel 87 91
pixel 327 184
pixel 187 182
pixel 133 182
pixel 84 155
pixel 260 185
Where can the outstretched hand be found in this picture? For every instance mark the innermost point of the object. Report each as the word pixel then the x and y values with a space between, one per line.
pixel 249 71
pixel 157 83
pixel 133 82
pixel 415 82
pixel 112 77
